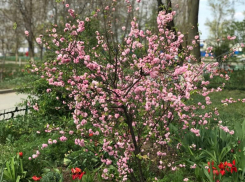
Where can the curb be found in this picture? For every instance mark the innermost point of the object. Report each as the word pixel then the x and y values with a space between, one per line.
pixel 5 91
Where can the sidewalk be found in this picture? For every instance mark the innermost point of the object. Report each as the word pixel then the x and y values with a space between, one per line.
pixel 13 62
pixel 9 99
pixel 5 91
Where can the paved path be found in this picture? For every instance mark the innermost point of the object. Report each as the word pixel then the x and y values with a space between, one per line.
pixel 13 62
pixel 10 100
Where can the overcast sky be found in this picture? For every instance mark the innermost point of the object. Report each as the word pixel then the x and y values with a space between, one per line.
pixel 205 13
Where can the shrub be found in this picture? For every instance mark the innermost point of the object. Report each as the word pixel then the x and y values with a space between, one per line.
pixel 124 103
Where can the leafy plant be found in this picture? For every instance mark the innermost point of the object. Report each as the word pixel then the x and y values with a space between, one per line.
pixel 51 175
pixel 13 171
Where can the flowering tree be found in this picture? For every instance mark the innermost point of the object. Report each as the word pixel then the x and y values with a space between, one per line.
pixel 125 96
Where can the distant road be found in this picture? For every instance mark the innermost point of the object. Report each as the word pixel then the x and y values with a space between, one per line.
pixel 10 100
pixel 13 62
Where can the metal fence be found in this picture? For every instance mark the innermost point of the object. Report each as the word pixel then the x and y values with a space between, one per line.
pixel 11 113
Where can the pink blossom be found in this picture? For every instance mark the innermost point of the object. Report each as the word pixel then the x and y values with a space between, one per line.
pixel 193 166
pixel 180 70
pixel 153 74
pixel 105 170
pixel 34 156
pixel 63 139
pixel 26 33
pixel 87 19
pixel 35 107
pixel 62 132
pixel 117 116
pixel 39 40
pixel 54 141
pixel 44 146
pixel 50 141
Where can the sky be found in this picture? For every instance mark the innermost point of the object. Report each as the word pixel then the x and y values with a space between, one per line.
pixel 205 13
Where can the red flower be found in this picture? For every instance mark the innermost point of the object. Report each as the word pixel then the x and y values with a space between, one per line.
pixel 78 170
pixel 216 172
pixel 222 166
pixel 90 134
pixel 213 168
pixel 35 178
pixel 233 168
pixel 74 176
pixel 77 173
pixel 211 163
pixel 20 154
pixel 73 171
pixel 222 172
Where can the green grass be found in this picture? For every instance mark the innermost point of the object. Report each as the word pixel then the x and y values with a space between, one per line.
pixel 236 81
pixel 233 112
pixel 12 76
pixel 10 67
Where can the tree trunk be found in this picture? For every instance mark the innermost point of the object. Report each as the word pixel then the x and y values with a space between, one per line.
pixel 30 42
pixel 16 55
pixel 41 52
pixel 55 13
pixel 16 46
pixel 193 27
pixel 160 5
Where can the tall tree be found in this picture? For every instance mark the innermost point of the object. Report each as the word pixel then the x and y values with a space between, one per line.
pixel 222 11
pixel 16 30
pixel 193 7
pixel 26 10
pixel 186 20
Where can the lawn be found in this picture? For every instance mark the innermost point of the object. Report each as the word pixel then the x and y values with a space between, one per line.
pixel 12 75
pixel 228 113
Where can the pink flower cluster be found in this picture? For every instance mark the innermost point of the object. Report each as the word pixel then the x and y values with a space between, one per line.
pixel 129 100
